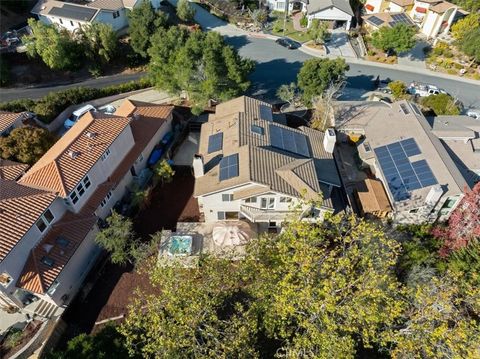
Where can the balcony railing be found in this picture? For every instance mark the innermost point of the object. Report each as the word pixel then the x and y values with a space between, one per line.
pixel 264 215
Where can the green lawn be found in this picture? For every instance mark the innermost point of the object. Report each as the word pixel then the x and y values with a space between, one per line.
pixel 289 30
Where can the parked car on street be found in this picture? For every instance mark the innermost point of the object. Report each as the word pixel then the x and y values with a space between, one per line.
pixel 288 43
pixel 69 122
pixel 424 90
pixel 475 113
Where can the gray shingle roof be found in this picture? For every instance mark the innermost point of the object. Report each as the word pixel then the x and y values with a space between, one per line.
pixel 319 5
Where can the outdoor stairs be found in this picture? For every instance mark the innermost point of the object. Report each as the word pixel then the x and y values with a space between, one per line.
pixel 44 309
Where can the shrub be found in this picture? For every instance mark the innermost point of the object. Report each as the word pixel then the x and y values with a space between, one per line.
pixel 304 21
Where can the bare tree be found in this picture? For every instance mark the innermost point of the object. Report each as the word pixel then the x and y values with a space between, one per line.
pixel 323 115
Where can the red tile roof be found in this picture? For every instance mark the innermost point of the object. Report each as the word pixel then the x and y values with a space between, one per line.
pixel 10 170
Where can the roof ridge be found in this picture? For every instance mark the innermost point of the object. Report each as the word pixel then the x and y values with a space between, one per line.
pixel 59 173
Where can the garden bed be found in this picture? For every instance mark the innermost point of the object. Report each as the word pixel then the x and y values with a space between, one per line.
pixel 16 339
pixel 391 60
pixel 447 59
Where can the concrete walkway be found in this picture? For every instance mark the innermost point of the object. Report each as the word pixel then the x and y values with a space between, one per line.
pixel 296 21
pixel 415 57
pixel 339 45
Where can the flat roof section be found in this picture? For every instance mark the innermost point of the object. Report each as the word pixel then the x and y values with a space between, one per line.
pixel 73 12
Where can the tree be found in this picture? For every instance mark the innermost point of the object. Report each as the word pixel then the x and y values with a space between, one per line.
pixel 441 104
pixel 201 64
pixel 318 31
pixel 463 225
pixel 471 6
pixel 107 343
pixel 399 89
pixel 143 22
pixel 289 93
pixel 316 75
pixel 26 144
pixel 117 238
pixel 163 172
pixel 316 289
pixel 323 115
pixel 259 17
pixel 470 44
pixel 185 11
pixel 100 41
pixel 464 26
pixel 55 47
pixel 399 38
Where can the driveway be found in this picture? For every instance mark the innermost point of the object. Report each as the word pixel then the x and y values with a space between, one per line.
pixel 415 57
pixel 339 45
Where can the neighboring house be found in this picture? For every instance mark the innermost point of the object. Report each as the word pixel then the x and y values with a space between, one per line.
pixel 75 14
pixel 337 12
pixel 250 167
pixel 10 120
pixel 10 170
pixel 433 17
pixel 53 209
pixel 460 136
pixel 422 181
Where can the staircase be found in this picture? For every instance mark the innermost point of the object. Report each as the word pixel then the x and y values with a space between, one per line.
pixel 43 309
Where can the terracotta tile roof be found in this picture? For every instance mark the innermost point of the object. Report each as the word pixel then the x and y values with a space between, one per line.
pixel 403 2
pixel 20 208
pixel 441 7
pixel 7 119
pixel 130 108
pixel 37 276
pixel 10 170
pixel 72 156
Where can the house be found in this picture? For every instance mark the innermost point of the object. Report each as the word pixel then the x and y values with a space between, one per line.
pixel 250 167
pixel 433 17
pixel 11 120
pixel 72 15
pixel 460 137
pixel 53 209
pixel 399 148
pixel 337 12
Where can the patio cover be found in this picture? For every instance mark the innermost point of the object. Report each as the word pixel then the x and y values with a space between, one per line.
pixel 231 233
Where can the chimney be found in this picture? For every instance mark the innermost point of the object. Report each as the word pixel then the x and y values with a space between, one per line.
pixel 329 140
pixel 198 169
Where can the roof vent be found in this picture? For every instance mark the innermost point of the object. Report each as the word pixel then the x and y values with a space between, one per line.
pixel 135 116
pixel 91 134
pixel 73 154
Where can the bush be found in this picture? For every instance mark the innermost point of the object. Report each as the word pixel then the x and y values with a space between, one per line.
pixel 304 21
pixel 14 337
pixel 441 104
pixel 50 106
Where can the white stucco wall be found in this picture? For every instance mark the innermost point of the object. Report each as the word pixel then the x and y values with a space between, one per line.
pixel 106 17
pixel 395 8
pixel 68 24
pixel 331 14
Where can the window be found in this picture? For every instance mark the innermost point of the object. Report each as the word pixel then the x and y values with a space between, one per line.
pixel 272 224
pixel 73 197
pixel 257 129
pixel 415 210
pixel 285 200
pixel 221 215
pixel 116 14
pixel 280 5
pixel 80 190
pixel 139 159
pixel 367 147
pixel 86 182
pixel 267 203
pixel 251 200
pixel 105 154
pixel 53 288
pixel 231 215
pixel 105 200
pixel 227 197
pixel 47 261
pixel 44 220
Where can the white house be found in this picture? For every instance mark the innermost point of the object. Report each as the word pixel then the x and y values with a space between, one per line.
pixel 250 167
pixel 433 17
pixel 74 15
pixel 422 181
pixel 338 12
pixel 47 248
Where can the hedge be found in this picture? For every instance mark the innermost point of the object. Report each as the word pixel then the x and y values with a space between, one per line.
pixel 50 106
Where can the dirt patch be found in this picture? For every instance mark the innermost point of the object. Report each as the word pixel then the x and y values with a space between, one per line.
pixel 6 351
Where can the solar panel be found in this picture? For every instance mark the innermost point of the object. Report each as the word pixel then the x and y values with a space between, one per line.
pixel 215 142
pixel 375 20
pixel 405 109
pixel 288 140
pixel 403 176
pixel 73 12
pixel 400 18
pixel 228 167
pixel 259 130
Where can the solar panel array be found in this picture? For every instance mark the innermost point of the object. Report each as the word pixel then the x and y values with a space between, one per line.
pixel 375 20
pixel 401 18
pixel 403 176
pixel 288 140
pixel 215 142
pixel 228 167
pixel 73 12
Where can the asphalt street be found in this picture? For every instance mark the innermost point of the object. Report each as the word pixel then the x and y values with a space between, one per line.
pixel 277 65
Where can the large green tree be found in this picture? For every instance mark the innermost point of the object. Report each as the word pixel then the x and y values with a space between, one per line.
pixel 185 10
pixel 316 75
pixel 55 47
pixel 399 38
pixel 471 6
pixel 201 64
pixel 143 21
pixel 463 26
pixel 26 144
pixel 441 104
pixel 100 41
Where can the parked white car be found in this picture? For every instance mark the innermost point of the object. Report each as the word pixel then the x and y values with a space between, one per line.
pixel 69 122
pixel 475 113
pixel 424 90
